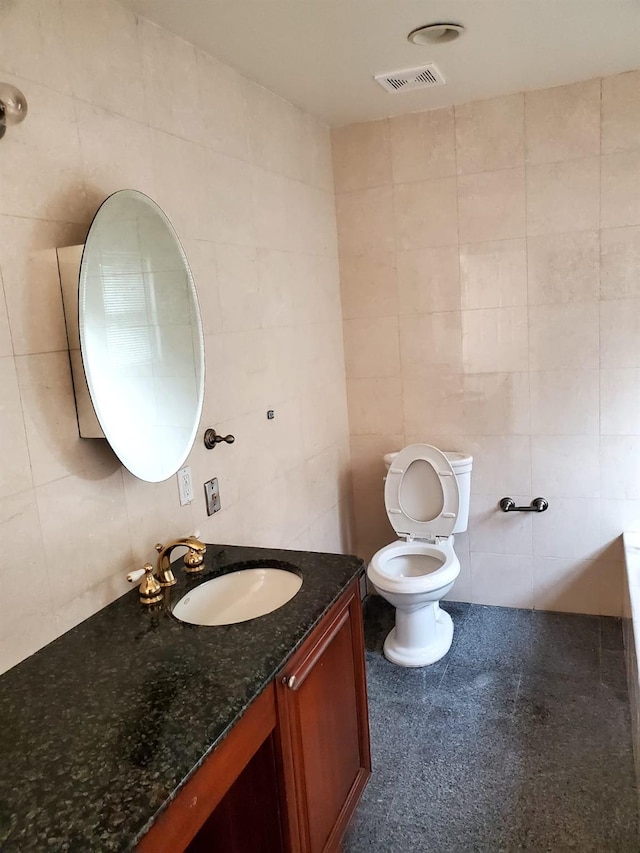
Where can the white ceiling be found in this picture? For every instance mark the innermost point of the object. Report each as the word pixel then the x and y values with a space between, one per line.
pixel 322 55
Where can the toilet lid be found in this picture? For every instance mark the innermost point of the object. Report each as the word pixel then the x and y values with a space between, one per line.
pixel 421 493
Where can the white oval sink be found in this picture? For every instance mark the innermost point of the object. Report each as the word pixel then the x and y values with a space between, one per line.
pixel 238 596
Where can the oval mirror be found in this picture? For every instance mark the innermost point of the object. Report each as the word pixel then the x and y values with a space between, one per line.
pixel 141 335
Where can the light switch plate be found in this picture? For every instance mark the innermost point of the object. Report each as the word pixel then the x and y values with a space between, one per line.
pixel 185 485
pixel 212 496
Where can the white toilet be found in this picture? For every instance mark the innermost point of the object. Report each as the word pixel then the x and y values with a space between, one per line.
pixel 426 494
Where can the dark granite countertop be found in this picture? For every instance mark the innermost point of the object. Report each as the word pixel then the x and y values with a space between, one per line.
pixel 101 728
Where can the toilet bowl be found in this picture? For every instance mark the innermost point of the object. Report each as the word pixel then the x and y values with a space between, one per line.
pixel 427 498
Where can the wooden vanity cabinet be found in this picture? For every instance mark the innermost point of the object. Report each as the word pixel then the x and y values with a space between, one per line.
pixel 288 776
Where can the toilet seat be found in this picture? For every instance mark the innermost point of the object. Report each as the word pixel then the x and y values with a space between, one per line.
pixel 388 567
pixel 421 493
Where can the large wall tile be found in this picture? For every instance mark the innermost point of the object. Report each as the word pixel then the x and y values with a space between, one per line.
pixel 621 112
pixel 503 580
pixel 428 280
pixel 368 283
pixel 226 202
pixel 501 464
pixel 238 288
pixel 619 333
pixel 563 196
pixel 15 470
pixel 44 181
pixel 490 134
pixel 365 221
pixel 222 107
pixel 569 528
pixel 95 34
pixel 76 501
pixel 372 347
pixel 19 522
pixel 564 336
pixel 563 123
pixel 563 267
pixel 496 403
pixel 423 146
pixel 565 466
pixel 429 341
pixel 375 406
pixel 269 196
pixel 115 152
pixel 494 340
pixel 620 401
pixel 491 206
pixel 550 391
pixel 425 214
pixel 170 75
pixel 493 275
pixel 361 156
pixel 620 263
pixel 181 173
pixel 620 189
pixel 432 403
pixel 620 467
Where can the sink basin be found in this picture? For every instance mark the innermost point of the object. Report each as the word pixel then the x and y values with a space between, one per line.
pixel 238 596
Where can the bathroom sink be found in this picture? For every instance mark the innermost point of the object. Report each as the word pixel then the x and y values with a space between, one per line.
pixel 238 596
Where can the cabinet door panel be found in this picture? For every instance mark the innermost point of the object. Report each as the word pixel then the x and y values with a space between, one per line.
pixel 323 713
pixel 329 723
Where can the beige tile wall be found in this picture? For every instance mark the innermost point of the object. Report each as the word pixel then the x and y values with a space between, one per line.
pixel 490 266
pixel 247 181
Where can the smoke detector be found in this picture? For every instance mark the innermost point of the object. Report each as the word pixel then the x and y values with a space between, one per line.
pixel 435 33
pixel 423 77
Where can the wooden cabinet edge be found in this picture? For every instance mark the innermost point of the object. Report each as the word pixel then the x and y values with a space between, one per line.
pixel 179 823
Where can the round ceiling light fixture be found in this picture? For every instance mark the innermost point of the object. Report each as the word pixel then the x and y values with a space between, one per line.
pixel 435 33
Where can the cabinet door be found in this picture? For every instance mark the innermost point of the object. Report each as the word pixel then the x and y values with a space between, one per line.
pixel 324 728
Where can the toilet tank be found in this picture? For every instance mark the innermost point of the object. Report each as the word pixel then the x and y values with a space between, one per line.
pixel 462 464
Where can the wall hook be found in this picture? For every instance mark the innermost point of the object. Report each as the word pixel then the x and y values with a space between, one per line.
pixel 536 505
pixel 211 438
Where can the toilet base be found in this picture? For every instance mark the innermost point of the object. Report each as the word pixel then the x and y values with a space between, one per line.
pixel 438 642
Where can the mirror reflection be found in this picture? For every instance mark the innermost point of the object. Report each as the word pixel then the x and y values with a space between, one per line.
pixel 141 336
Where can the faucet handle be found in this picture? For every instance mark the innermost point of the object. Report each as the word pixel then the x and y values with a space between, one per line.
pixel 194 557
pixel 150 590
pixel 134 577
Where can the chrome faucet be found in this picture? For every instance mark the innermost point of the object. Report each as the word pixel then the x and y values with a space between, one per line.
pixel 193 559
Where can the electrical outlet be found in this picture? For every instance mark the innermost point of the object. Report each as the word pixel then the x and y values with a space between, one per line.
pixel 185 485
pixel 212 496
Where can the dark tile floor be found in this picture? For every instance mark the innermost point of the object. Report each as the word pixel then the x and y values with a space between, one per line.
pixel 519 739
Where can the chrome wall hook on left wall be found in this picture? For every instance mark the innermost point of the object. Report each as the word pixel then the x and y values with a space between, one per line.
pixel 13 107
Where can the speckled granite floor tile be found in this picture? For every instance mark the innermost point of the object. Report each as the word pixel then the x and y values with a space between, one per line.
pixel 519 739
pixel 496 636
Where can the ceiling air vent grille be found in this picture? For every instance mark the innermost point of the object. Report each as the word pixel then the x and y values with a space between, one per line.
pixel 411 78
